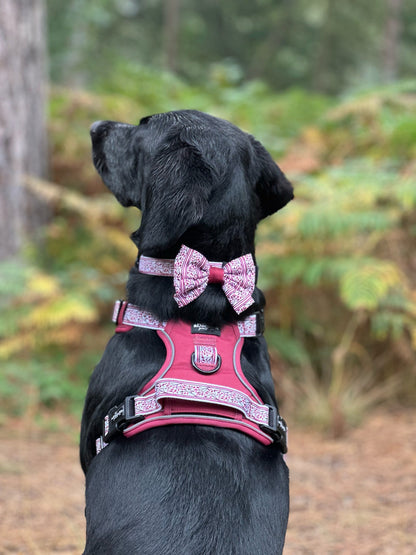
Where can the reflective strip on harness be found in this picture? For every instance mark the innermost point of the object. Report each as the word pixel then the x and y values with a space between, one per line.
pixel 200 392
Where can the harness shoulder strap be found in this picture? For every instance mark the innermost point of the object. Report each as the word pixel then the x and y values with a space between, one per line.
pixel 127 316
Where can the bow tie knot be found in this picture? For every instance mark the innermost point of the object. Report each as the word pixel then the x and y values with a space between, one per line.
pixel 216 275
pixel 192 272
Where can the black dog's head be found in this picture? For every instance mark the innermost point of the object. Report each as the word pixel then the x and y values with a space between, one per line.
pixel 198 180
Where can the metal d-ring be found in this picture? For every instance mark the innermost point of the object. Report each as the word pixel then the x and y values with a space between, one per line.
pixel 205 371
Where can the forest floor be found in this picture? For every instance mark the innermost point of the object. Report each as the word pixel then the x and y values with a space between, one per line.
pixel 355 495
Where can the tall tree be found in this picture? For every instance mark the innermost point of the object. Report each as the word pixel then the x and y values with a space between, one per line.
pixel 171 32
pixel 23 145
pixel 392 39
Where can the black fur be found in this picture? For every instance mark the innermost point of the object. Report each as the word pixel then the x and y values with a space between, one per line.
pixel 183 490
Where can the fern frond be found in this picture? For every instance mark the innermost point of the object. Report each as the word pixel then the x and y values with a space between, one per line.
pixel 100 208
pixel 365 287
pixel 60 311
pixel 44 285
pixel 14 344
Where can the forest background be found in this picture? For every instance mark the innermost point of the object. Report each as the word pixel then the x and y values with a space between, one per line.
pixel 329 89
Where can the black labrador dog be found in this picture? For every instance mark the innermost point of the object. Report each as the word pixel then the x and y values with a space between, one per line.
pixel 183 489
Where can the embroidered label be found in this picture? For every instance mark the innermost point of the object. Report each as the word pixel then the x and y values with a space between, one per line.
pixel 205 330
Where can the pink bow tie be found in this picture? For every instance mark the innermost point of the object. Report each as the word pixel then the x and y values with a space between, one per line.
pixel 192 272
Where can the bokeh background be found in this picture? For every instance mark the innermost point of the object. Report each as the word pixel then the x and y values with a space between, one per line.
pixel 327 86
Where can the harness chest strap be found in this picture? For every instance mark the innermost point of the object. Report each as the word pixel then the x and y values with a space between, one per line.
pixel 218 394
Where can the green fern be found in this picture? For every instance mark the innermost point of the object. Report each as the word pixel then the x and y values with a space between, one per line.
pixel 331 258
pixel 367 286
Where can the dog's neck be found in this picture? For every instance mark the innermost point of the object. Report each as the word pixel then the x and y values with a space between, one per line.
pixel 155 293
pixel 221 245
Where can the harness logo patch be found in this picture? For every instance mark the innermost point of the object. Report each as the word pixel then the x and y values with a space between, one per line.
pixel 205 330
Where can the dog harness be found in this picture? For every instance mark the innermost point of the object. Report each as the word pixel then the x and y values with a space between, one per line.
pixel 201 380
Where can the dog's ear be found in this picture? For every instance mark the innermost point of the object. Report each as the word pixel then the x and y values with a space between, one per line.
pixel 176 195
pixel 272 187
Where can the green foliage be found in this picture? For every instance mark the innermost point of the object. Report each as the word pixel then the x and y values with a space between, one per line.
pixel 289 348
pixel 340 234
pixel 339 262
pixel 403 138
pixel 135 91
pixel 71 114
pixel 367 285
pixel 56 308
pixel 378 123
pixel 24 384
pixel 324 45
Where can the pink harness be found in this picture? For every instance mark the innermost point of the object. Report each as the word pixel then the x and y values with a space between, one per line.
pixel 200 382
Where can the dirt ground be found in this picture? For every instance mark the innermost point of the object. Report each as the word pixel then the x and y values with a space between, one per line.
pixel 351 496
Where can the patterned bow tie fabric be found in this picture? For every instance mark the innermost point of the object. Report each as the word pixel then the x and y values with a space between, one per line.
pixel 191 275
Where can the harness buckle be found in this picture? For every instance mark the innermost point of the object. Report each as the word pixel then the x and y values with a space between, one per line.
pixel 119 417
pixel 276 428
pixel 118 306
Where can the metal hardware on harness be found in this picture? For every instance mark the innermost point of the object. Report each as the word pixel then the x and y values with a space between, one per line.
pixel 201 370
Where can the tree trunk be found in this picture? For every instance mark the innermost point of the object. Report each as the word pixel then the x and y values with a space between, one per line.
pixel 321 75
pixel 171 33
pixel 23 145
pixel 392 39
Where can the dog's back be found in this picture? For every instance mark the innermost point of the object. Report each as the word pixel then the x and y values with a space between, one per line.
pixel 183 489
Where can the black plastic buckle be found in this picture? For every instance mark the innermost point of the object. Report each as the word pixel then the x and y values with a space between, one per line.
pixel 118 418
pixel 277 428
pixel 137 263
pixel 259 322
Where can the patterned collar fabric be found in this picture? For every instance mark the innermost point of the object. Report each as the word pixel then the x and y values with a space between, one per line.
pixel 192 272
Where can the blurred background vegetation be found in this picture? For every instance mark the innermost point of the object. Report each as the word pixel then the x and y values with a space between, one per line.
pixel 328 87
